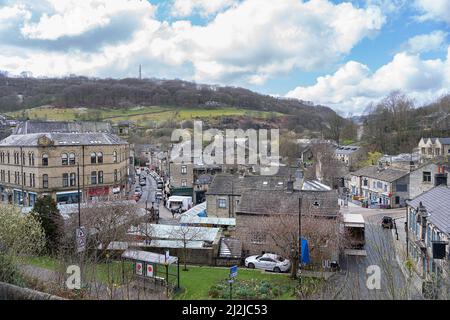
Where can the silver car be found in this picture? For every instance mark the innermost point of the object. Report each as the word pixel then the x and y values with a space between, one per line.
pixel 269 262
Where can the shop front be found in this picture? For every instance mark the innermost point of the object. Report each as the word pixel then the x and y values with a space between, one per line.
pixel 95 193
pixel 67 197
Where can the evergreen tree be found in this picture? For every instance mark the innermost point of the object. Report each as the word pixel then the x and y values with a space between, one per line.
pixel 47 212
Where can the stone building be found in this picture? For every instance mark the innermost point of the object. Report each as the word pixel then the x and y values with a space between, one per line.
pixel 255 204
pixel 383 187
pixel 36 161
pixel 225 191
pixel 428 225
pixel 428 176
pixel 430 148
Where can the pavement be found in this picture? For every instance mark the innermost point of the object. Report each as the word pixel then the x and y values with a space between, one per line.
pixel 381 254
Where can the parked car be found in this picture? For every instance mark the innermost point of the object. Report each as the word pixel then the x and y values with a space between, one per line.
pixel 142 183
pixel 158 195
pixel 387 222
pixel 269 262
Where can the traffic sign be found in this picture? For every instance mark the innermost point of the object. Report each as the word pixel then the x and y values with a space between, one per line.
pixel 233 271
pixel 149 272
pixel 81 239
pixel 139 268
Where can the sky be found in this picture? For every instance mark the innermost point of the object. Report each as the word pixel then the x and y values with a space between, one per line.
pixel 343 54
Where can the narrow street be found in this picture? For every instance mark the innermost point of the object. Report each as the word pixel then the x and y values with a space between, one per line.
pixel 380 253
pixel 148 199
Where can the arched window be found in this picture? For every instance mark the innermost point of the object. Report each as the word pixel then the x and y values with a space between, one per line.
pixel 44 159
pixel 93 157
pixel 45 181
pixel 72 159
pixel 99 157
pixel 64 159
pixel 115 156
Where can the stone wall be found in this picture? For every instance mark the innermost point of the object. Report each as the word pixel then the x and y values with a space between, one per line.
pixel 12 292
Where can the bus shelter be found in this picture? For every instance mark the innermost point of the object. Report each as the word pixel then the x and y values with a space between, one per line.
pixel 154 267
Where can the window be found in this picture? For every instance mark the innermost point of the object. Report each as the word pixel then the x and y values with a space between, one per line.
pixel 184 183
pixel 23 158
pixel 426 176
pixel 45 159
pixel 65 180
pixel 72 179
pixel 438 152
pixel 430 151
pixel 45 181
pixel 31 180
pixel 93 157
pixel 222 203
pixel 64 159
pixel 72 159
pixel 402 187
pixel 423 151
pixel 365 182
pixel 7 155
pixel 100 177
pixel 183 169
pixel 379 185
pixel 115 175
pixel 94 177
pixel 29 158
pixel 100 157
pixel 34 180
pixel 115 156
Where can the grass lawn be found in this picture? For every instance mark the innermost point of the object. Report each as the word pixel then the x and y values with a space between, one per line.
pixel 148 113
pixel 102 271
pixel 197 281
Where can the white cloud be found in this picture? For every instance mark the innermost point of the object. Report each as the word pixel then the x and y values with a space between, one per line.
pixel 434 10
pixel 72 17
pixel 185 8
pixel 249 42
pixel 351 88
pixel 433 41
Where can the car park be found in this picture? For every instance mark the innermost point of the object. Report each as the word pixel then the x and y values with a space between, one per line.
pixel 268 262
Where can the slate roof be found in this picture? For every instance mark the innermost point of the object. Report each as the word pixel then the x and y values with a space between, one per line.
pixel 225 183
pixel 344 150
pixel 437 203
pixel 317 203
pixel 63 139
pixel 35 126
pixel 386 174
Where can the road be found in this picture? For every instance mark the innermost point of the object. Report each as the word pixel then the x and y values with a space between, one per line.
pixel 148 199
pixel 381 256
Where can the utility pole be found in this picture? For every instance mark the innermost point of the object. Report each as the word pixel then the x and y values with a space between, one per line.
pixel 300 237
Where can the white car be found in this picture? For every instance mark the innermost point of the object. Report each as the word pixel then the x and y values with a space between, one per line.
pixel 269 262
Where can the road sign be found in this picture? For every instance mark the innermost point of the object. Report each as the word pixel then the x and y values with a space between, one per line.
pixel 149 270
pixel 233 271
pixel 167 256
pixel 81 239
pixel 139 267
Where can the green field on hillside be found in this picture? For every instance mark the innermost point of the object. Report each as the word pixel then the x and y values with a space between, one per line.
pixel 152 113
